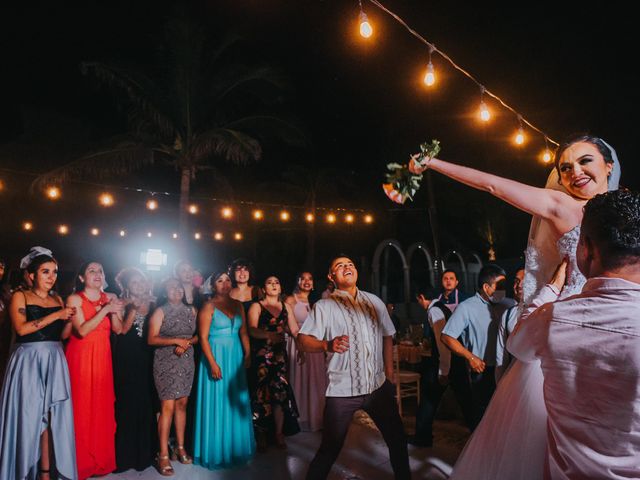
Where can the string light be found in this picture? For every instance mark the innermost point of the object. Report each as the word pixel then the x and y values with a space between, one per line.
pixel 27 226
pixel 485 115
pixel 53 193
pixel 331 218
pixel 95 232
pixel 519 137
pixel 546 154
pixel 285 216
pixel 149 234
pixel 348 218
pixel 193 209
pixel 174 235
pixel 430 75
pixel 237 236
pixel 227 212
pixel 218 236
pixel 1 185
pixel 152 204
pixel 123 233
pixel 365 27
pixel 106 200
pixel 310 217
pixel 63 229
pixel 368 218
pixel 197 236
pixel 258 214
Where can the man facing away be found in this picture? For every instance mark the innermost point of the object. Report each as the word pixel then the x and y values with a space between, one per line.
pixel 589 348
pixel 354 328
pixel 476 320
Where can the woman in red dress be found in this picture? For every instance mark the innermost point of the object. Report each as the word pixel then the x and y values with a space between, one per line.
pixel 89 357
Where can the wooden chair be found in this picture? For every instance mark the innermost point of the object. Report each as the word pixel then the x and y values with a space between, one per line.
pixel 407 383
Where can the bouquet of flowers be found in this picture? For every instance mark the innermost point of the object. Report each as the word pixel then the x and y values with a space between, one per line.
pixel 403 181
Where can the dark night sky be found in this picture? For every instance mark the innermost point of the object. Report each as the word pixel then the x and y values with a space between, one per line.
pixel 360 102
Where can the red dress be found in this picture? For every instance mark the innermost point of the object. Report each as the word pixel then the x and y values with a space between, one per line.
pixel 91 373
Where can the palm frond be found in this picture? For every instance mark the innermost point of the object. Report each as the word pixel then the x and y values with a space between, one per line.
pixel 140 91
pixel 226 143
pixel 270 126
pixel 118 159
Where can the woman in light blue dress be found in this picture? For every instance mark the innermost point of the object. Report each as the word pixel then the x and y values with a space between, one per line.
pixel 223 424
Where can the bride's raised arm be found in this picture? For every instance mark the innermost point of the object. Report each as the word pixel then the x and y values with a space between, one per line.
pixel 544 202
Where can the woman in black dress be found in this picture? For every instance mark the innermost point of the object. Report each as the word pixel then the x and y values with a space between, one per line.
pixel 136 436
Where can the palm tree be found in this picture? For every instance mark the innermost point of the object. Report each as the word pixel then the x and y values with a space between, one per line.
pixel 192 108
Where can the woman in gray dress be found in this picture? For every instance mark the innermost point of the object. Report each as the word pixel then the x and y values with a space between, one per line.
pixel 172 331
pixel 35 407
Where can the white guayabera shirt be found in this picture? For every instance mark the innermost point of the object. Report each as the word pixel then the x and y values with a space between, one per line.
pixel 365 320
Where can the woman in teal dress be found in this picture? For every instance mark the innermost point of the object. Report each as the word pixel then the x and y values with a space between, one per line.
pixel 223 424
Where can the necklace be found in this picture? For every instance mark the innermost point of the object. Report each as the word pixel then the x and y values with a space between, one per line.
pixel 39 296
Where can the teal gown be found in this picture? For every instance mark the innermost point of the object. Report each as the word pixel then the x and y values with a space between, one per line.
pixel 223 431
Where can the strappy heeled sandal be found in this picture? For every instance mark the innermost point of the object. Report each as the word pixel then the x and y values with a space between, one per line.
pixel 182 458
pixel 166 470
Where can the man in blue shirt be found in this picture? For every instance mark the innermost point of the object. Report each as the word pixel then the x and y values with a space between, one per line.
pixel 476 322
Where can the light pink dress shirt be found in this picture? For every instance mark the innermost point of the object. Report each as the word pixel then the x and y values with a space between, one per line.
pixel 589 347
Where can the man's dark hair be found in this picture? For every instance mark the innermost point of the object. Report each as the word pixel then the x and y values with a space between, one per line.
pixel 488 274
pixel 449 270
pixel 612 222
pixel 341 255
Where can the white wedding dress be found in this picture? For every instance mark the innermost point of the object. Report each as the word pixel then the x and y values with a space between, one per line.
pixel 511 440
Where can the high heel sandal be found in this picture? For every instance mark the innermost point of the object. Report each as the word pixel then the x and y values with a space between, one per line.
pixel 182 458
pixel 166 470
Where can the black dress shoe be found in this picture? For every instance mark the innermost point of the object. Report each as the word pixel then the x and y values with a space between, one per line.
pixel 419 442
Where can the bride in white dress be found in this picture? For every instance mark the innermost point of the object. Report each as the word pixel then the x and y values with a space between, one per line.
pixel 510 441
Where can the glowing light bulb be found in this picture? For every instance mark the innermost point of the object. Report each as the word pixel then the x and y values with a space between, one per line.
pixel 365 27
pixel 237 236
pixel 258 214
pixel 63 229
pixel 175 235
pixel 1 185
pixel 331 218
pixel 197 236
pixel 123 233
pixel 519 138
pixel 106 200
pixel 193 209
pixel 309 217
pixel 430 75
pixel 546 156
pixel 152 204
pixel 485 115
pixel 27 226
pixel 218 236
pixel 368 219
pixel 95 232
pixel 149 234
pixel 285 216
pixel 53 193
pixel 227 212
pixel 348 218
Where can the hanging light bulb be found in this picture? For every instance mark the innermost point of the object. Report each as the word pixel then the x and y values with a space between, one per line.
pixel 430 75
pixel 218 236
pixel 365 27
pixel 519 137
pixel 152 204
pixel 331 218
pixel 174 235
pixel 123 233
pixel 149 234
pixel 63 229
pixel 368 219
pixel 227 212
pixel 1 185
pixel 484 113
pixel 27 226
pixel 106 199
pixel 285 216
pixel 348 218
pixel 309 217
pixel 193 209
pixel 258 214
pixel 53 193
pixel 197 236
pixel 95 232
pixel 237 236
pixel 546 156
